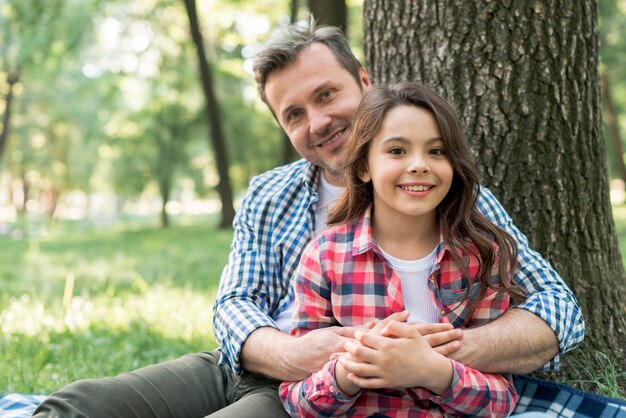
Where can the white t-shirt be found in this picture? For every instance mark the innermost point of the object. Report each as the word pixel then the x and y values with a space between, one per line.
pixel 327 194
pixel 414 278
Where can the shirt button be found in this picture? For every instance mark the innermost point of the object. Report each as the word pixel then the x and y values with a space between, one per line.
pixel 443 313
pixel 331 389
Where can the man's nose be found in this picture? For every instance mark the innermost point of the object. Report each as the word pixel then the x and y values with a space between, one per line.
pixel 319 121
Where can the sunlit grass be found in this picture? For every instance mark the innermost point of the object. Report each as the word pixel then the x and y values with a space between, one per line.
pixel 78 302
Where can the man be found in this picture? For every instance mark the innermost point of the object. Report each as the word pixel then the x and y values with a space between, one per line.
pixel 313 84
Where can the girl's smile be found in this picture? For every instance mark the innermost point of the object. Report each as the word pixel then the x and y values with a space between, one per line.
pixel 408 167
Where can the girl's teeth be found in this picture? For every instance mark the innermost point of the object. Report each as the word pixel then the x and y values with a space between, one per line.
pixel 416 188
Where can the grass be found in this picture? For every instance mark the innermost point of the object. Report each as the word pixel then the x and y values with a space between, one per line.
pixel 140 295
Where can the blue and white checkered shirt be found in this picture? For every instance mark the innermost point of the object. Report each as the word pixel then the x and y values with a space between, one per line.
pixel 275 222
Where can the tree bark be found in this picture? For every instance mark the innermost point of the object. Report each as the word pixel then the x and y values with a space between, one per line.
pixel 524 79
pixel 164 186
pixel 289 153
pixel 12 79
pixel 612 125
pixel 213 116
pixel 330 12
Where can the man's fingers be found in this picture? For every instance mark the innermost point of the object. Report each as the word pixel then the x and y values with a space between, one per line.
pixel 344 331
pixel 449 348
pixel 431 328
pixel 445 337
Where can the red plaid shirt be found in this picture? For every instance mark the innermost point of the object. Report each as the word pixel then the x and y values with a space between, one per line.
pixel 344 280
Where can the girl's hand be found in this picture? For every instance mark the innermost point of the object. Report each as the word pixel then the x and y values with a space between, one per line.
pixel 396 355
pixel 346 386
pixel 443 337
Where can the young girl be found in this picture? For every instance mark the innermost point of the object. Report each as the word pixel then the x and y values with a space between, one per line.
pixel 407 237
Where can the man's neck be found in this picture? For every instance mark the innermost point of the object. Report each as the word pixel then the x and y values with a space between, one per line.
pixel 333 179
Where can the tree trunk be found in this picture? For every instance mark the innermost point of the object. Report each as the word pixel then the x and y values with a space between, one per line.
pixel 213 116
pixel 12 79
pixel 164 187
pixel 289 153
pixel 610 120
pixel 330 12
pixel 524 78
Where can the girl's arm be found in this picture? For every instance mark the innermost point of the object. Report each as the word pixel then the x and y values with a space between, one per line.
pixel 318 394
pixel 399 357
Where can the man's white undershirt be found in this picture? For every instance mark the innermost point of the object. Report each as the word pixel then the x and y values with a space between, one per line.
pixel 327 195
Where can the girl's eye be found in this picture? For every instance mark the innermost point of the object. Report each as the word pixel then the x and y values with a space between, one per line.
pixel 437 152
pixel 396 151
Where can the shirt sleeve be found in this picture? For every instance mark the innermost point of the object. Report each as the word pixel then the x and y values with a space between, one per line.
pixel 313 308
pixel 548 296
pixel 242 303
pixel 316 396
pixel 475 394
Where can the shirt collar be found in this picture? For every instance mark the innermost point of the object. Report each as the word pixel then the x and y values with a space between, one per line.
pixel 310 175
pixel 364 241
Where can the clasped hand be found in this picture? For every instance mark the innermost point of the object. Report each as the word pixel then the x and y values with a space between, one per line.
pixel 394 353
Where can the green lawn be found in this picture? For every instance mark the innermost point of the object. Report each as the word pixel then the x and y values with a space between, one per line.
pixel 140 295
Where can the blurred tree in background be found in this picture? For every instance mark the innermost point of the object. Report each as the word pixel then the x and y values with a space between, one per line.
pixel 613 80
pixel 102 106
pixel 86 88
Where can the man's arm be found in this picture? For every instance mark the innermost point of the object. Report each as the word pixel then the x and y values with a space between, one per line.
pixel 273 353
pixel 517 342
pixel 520 340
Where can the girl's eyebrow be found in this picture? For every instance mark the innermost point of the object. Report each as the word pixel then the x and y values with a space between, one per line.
pixel 404 140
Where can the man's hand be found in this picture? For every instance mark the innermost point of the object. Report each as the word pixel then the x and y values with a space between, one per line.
pixel 396 355
pixel 281 356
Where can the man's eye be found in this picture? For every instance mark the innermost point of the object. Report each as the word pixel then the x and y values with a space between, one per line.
pixel 293 115
pixel 326 94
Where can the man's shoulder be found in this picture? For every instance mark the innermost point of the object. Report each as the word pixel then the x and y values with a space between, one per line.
pixel 282 176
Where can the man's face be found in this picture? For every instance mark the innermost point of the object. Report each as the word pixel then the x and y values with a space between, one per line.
pixel 314 99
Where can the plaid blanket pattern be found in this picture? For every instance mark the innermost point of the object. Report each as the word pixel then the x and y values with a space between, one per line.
pixel 15 405
pixel 560 400
pixel 555 399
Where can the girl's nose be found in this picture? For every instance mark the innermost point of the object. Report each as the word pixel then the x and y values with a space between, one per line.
pixel 418 166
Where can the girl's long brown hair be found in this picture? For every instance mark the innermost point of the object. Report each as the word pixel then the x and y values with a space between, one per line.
pixel 459 219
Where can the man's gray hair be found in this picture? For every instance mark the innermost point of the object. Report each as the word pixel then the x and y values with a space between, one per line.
pixel 285 44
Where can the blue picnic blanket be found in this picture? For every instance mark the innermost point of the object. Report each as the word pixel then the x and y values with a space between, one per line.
pixel 555 399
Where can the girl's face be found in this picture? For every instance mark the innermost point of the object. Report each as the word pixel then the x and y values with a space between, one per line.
pixel 408 165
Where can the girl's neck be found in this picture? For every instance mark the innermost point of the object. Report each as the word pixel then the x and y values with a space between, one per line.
pixel 406 238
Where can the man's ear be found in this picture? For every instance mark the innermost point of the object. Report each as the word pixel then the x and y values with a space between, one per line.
pixel 364 173
pixel 366 82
